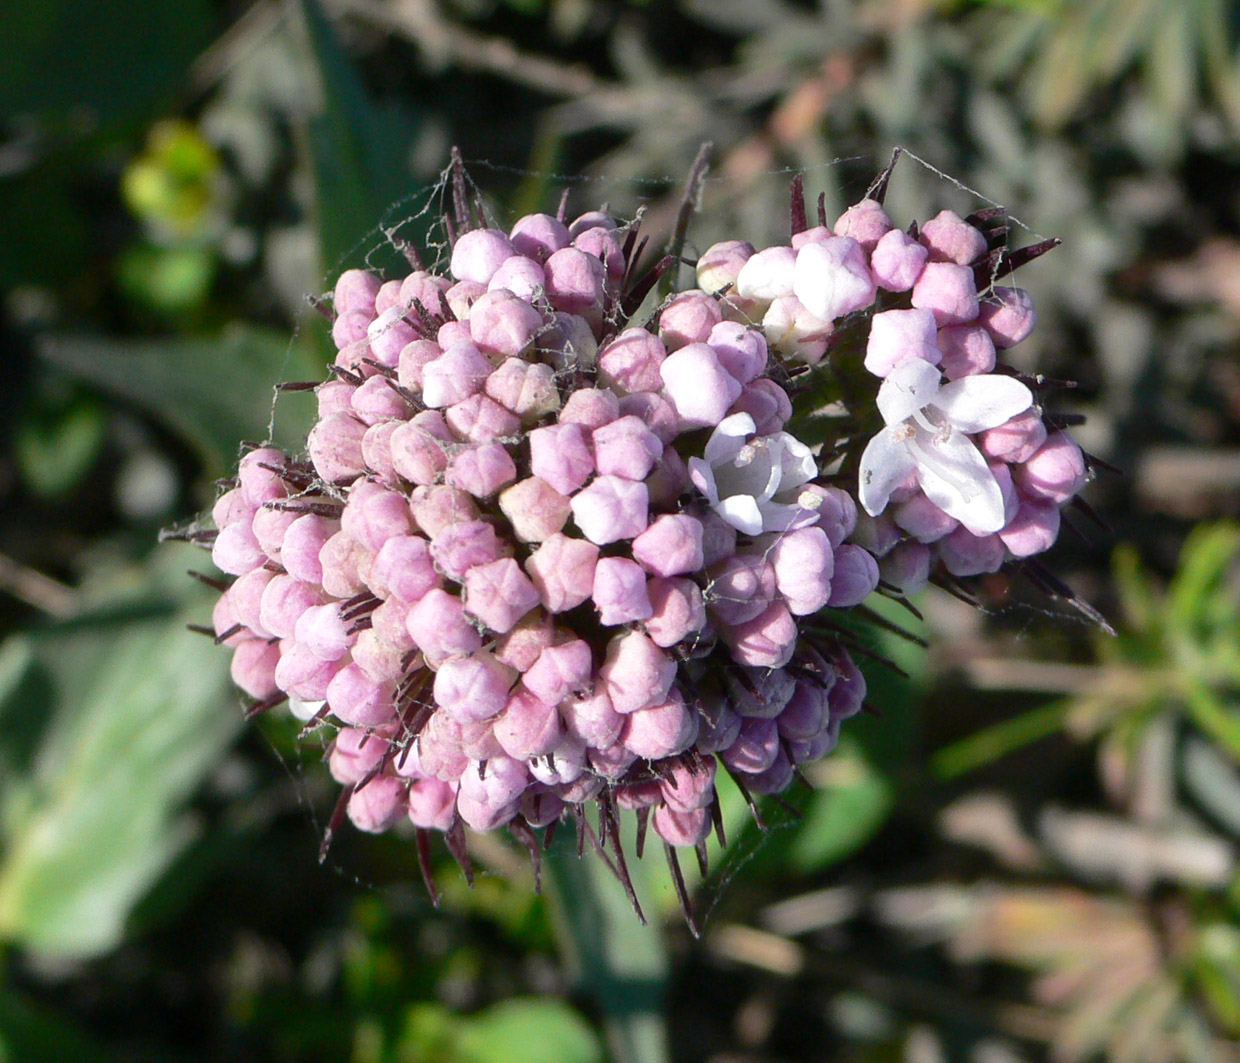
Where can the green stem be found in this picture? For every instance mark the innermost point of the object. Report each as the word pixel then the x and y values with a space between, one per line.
pixel 997 741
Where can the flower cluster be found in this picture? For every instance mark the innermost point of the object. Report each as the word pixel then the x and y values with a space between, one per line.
pixel 541 553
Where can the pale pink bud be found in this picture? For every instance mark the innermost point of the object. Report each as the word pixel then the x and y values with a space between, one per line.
pixel 1008 315
pixel 524 388
pixel 966 554
pixel 322 630
pixel 677 611
pixel 948 291
pixel 417 455
pixel 560 455
pixel 591 408
pixel 719 265
pixel 741 350
pixel 740 589
pixel 602 243
pixel 389 619
pixel 560 671
pixel 816 234
pixel 1054 473
pixel 776 779
pixel 789 326
pixel 767 274
pixel 719 726
pixel 949 238
pixel 686 789
pixel 563 571
pixel 520 276
pixel 806 714
pixel 460 547
pixel 503 325
pixel 349 335
pixel 593 720
pixel 626 448
pixel 539 236
pixel 833 278
pixel 378 658
pixel 671 546
pixel 499 594
pixel 767 403
pixel 342 558
pixel 660 730
pixel 570 342
pixel 355 753
pixel 236 550
pixel 698 385
pixel 435 508
pixel 439 749
pixel 1017 440
pixel 766 641
pixel 620 591
pixel 335 447
pixel 426 291
pixel 303 674
pixel 283 602
pixel 454 334
pixel 357 699
pixel 636 672
pixel 473 688
pixel 907 567
pixel 535 509
pixel 804 565
pixel 456 374
pixel 897 261
pixel 631 361
pixel 481 419
pixel 269 526
pixel 877 534
pixel 257 481
pixel 388 335
pixel 865 221
pixel 755 748
pixel 481 470
pixel 611 509
pixel 967 350
pixel 681 828
pixel 377 450
pixel 432 804
pixel 575 282
pixel 439 628
pixel 612 762
pixel 224 619
pixel 520 648
pixel 253 667
pixel 760 691
pixel 855 578
pixel 461 298
pixel 483 813
pixel 589 220
pixel 478 254
pixel 655 412
pixel 897 336
pixel 414 358
pixel 688 317
pixel 529 727
pixel 837 512
pixel 923 520
pixel 387 296
pixel 355 290
pixel 375 513
pixel 230 508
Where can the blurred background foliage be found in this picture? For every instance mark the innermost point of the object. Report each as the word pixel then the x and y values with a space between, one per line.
pixel 1032 853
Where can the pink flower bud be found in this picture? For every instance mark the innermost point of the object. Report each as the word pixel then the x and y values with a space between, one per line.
pixel 686 789
pixel 775 780
pixel 424 291
pixel 432 804
pixel 520 276
pixel 688 317
pixel 681 828
pixel 719 265
pixel 435 508
pixel 461 298
pixel 283 602
pixel 948 291
pixel 833 278
pixel 253 667
pixel 535 509
pixel 966 554
pixel 967 350
pixel 560 455
pixel 499 594
pixel 560 671
pixel 876 534
pixel 740 589
pixel 631 361
pixel 677 611
pixel 417 454
pixel 755 748
pixel 414 358
pixel 236 550
pixel 302 674
pixel 719 726
pixel 741 350
pixel 439 749
pixel 483 470
pixel 356 752
pixel 460 547
pixel 481 419
pixel 760 691
pixel 907 567
pixel 896 336
pixel 593 720
pixel 335 447
pixel 349 335
pixel 806 714
pixel 323 631
pixel 439 628
pixel 612 762
pixel 569 342
pixel 387 296
pixel 1008 315
pixel 897 261
pixel 473 688
pixel 375 513
pixel 524 388
pixel 484 814
pixel 1033 530
pixel 611 509
pixel 478 254
pixel 530 727
pixel 626 448
pixel 591 408
pixel 655 412
pixel 1054 473
pixel 456 374
pixel 767 403
pixel 923 520
pixel 636 673
pixel 589 220
pixel 257 481
pixel 668 481
pixel 454 334
pixel 388 335
pixel 375 401
pixel 539 236
pixel 698 385
pixel 378 658
pixel 503 325
pixel 620 591
pixel 355 290
pixel 230 508
pixel 766 641
pixel 269 526
pixel 789 327
pixel 949 238
pixel 1017 440
pixel 810 236
pixel 671 546
pixel 377 450
pixel 342 558
pixel 660 730
pixel 563 571
pixel 357 699
pixel 866 222
pixel 856 577
pixel 575 282
pixel 600 242
pixel 804 565
pixel 520 647
pixel 767 274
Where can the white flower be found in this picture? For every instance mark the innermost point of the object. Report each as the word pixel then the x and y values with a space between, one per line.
pixel 752 482
pixel 927 434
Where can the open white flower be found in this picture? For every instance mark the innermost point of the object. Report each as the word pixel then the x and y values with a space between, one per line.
pixel 928 423
pixel 751 481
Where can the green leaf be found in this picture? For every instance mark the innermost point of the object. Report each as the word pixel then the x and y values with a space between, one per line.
pixel 213 392
pixel 56 447
pixel 516 1031
pixel 169 280
pixel 137 712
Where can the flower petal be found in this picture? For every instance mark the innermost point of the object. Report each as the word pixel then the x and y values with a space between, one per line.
pixel 885 465
pixel 703 477
pixel 796 464
pixel 742 512
pixel 785 516
pixel 975 403
pixel 956 478
pixel 909 387
pixel 728 437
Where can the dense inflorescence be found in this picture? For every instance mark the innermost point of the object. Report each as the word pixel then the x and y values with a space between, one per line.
pixel 541 553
